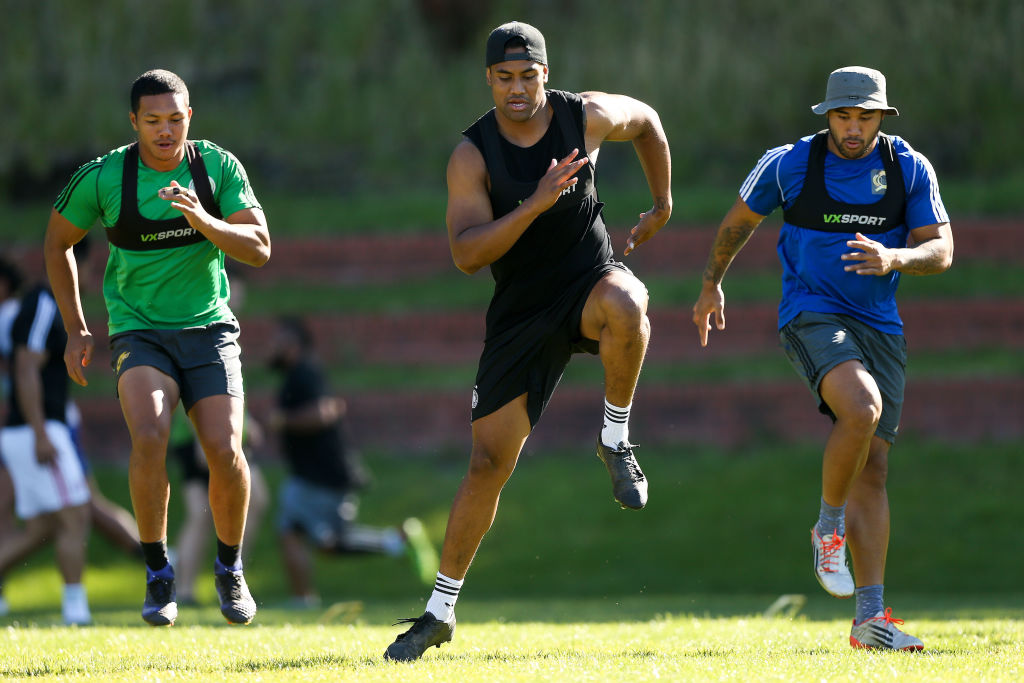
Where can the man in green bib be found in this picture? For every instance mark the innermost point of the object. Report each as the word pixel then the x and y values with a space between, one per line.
pixel 172 209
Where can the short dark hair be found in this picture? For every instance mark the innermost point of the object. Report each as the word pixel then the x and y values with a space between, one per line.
pixel 157 82
pixel 10 272
pixel 298 328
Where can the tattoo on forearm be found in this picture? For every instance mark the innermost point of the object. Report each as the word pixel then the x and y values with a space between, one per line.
pixel 661 203
pixel 728 242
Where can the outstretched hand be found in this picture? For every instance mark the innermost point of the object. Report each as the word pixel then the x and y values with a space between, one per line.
pixel 649 224
pixel 559 177
pixel 711 300
pixel 874 258
pixel 77 356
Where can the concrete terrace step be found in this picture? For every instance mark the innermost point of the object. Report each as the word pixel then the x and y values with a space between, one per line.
pixel 377 258
pixel 735 415
pixel 457 337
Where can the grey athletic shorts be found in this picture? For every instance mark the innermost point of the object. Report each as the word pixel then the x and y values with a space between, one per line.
pixel 817 342
pixel 204 361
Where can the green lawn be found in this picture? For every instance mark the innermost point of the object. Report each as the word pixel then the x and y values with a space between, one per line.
pixel 569 587
pixel 675 638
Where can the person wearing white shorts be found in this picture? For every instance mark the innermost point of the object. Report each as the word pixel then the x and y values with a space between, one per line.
pixel 51 493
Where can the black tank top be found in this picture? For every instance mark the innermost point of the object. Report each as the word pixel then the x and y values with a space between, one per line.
pixel 814 207
pixel 565 242
pixel 134 232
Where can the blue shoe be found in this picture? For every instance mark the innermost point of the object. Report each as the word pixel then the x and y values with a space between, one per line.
pixel 236 603
pixel 159 608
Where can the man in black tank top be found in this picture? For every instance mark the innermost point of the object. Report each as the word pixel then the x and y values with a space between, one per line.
pixel 522 200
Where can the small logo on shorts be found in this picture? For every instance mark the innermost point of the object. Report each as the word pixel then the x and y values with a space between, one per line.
pixel 476 398
pixel 839 337
pixel 121 359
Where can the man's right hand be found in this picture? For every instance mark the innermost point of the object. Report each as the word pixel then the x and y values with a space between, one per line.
pixel 711 300
pixel 560 176
pixel 78 355
pixel 46 453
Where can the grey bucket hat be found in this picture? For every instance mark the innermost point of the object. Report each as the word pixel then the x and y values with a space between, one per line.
pixel 855 86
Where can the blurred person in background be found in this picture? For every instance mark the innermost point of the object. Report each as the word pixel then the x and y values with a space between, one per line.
pixel 522 200
pixel 318 503
pixel 860 209
pixel 173 209
pixel 51 493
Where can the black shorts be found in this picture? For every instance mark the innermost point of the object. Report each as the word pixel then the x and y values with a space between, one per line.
pixel 530 355
pixel 203 361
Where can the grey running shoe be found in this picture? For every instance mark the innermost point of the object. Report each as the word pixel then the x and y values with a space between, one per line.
pixel 236 604
pixel 879 632
pixel 159 608
pixel 425 631
pixel 629 485
pixel 830 566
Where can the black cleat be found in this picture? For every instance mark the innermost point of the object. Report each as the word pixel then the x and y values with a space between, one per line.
pixel 159 608
pixel 629 485
pixel 425 631
pixel 236 603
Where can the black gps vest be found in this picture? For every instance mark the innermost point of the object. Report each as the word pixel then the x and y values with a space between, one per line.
pixel 134 232
pixel 815 209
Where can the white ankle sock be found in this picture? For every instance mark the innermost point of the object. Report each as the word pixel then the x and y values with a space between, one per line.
pixel 442 601
pixel 616 425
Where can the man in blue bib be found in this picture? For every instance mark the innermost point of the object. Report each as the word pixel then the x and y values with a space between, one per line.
pixel 860 208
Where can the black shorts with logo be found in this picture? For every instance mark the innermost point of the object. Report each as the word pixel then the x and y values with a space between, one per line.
pixel 203 361
pixel 530 355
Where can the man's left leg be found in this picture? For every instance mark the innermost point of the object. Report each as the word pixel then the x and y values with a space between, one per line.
pixel 615 315
pixel 867 528
pixel 218 423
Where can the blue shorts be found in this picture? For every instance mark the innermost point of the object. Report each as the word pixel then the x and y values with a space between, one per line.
pixel 322 514
pixel 817 342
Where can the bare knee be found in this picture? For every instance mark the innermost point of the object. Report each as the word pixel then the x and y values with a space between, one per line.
pixel 624 301
pixel 490 465
pixel 861 412
pixel 150 438
pixel 224 456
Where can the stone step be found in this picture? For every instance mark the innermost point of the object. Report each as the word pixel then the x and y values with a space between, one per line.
pixel 734 415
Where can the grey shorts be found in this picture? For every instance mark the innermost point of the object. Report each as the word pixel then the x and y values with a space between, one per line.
pixel 322 514
pixel 817 342
pixel 203 361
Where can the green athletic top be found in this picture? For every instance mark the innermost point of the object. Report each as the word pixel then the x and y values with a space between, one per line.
pixel 172 288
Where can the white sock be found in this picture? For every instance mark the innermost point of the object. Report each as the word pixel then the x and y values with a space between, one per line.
pixel 616 425
pixel 442 601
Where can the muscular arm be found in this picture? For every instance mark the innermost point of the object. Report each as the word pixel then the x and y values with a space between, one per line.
pixel 930 253
pixel 622 118
pixel 733 232
pixel 476 238
pixel 243 235
pixel 62 271
pixel 27 364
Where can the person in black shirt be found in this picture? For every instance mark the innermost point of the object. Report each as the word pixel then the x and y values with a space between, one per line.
pixel 319 502
pixel 522 200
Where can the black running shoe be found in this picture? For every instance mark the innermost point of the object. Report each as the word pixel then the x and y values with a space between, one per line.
pixel 629 485
pixel 425 631
pixel 159 608
pixel 236 604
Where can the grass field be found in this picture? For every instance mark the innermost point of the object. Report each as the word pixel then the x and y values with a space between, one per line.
pixel 672 638
pixel 569 587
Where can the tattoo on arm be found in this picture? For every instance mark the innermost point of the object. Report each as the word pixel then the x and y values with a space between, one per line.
pixel 661 203
pixel 928 258
pixel 728 242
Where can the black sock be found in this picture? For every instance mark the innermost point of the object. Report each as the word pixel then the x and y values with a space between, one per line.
pixel 155 554
pixel 229 555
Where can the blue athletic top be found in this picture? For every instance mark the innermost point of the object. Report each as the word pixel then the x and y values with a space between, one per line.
pixel 813 278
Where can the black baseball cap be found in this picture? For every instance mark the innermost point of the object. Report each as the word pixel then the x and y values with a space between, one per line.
pixel 535 51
